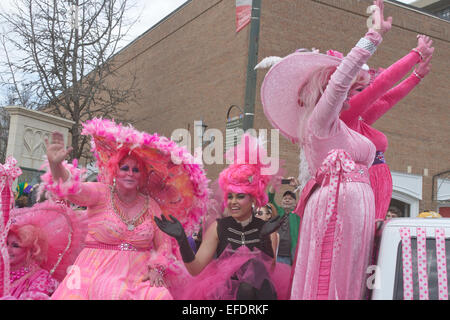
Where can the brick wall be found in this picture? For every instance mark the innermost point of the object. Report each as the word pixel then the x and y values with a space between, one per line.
pixel 193 66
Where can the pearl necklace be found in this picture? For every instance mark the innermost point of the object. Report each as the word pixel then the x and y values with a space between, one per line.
pixel 17 274
pixel 130 223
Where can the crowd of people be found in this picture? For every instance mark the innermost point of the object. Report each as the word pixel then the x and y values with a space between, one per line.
pixel 142 230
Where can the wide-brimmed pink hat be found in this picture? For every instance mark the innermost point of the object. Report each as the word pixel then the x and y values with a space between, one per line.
pixel 281 85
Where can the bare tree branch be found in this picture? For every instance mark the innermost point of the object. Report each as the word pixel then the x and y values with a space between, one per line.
pixel 70 63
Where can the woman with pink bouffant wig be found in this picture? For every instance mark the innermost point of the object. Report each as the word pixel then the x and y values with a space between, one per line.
pixel 243 269
pixel 27 249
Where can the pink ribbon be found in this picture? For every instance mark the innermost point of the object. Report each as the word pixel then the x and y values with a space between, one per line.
pixel 441 259
pixel 405 235
pixel 337 162
pixel 422 263
pixel 8 173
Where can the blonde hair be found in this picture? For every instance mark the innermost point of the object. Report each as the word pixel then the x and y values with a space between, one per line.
pixel 311 92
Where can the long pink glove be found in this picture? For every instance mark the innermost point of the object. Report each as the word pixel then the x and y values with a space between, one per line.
pixel 326 113
pixel 365 100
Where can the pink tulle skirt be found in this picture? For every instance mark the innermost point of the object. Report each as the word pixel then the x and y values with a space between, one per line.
pixel 381 182
pixel 220 280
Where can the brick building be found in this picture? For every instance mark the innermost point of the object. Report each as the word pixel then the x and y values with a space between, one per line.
pixel 194 66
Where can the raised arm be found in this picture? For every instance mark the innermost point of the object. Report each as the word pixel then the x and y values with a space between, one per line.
pixel 325 115
pixel 362 101
pixel 63 180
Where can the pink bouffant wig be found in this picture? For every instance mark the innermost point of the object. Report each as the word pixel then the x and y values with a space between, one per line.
pixel 31 238
pixel 246 173
pixel 114 162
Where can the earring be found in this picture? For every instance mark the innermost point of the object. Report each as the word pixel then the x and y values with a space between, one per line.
pixel 114 183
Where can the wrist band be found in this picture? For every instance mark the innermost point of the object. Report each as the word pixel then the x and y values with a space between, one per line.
pixel 160 269
pixel 366 44
pixel 417 75
pixel 420 53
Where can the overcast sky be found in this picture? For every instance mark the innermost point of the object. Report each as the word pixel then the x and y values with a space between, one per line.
pixel 148 12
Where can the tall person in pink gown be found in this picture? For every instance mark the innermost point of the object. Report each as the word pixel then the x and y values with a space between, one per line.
pixel 125 255
pixel 378 98
pixel 303 95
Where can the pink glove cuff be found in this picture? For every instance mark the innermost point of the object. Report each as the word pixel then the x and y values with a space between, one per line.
pixel 59 188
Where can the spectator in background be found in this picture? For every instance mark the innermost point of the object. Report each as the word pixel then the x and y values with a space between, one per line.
pixel 393 212
pixel 290 227
pixel 266 213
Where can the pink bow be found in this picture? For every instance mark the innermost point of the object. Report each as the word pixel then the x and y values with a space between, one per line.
pixel 337 162
pixel 8 173
pixel 9 170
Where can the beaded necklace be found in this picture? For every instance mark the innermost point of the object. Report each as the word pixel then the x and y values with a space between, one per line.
pixel 17 274
pixel 130 223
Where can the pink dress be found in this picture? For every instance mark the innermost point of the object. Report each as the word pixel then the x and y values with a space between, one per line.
pixel 333 253
pixel 35 285
pixel 115 260
pixel 367 107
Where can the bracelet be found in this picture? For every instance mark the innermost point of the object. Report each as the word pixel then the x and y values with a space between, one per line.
pixel 419 53
pixel 159 269
pixel 366 44
pixel 417 75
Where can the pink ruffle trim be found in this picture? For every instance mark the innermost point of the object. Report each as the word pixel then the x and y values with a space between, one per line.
pixel 60 189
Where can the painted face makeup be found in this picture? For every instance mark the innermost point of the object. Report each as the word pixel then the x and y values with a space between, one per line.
pixel 17 254
pixel 240 205
pixel 263 214
pixel 128 174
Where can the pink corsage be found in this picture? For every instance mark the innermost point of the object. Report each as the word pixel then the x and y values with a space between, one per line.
pixel 62 189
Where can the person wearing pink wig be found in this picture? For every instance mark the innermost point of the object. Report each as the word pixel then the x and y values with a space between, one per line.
pixel 125 256
pixel 243 268
pixel 27 249
pixel 337 205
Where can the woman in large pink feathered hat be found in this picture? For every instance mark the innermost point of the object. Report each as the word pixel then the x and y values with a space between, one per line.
pixel 303 95
pixel 141 176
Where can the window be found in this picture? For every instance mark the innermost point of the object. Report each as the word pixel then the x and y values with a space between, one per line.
pixel 431 270
pixel 438 8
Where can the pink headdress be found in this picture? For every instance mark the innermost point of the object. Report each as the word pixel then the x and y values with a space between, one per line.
pixel 8 173
pixel 63 228
pixel 251 170
pixel 175 181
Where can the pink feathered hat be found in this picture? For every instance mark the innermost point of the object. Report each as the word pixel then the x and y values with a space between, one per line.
pixel 175 181
pixel 250 170
pixel 281 86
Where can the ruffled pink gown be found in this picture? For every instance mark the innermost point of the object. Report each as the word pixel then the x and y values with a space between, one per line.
pixel 102 273
pixel 367 107
pixel 36 285
pixel 332 256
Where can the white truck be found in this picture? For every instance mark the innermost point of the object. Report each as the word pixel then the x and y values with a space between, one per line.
pixel 413 260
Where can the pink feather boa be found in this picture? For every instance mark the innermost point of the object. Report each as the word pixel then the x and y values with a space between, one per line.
pixel 60 189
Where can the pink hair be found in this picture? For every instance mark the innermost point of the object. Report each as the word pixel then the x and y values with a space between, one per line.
pixel 114 162
pixel 31 238
pixel 244 174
